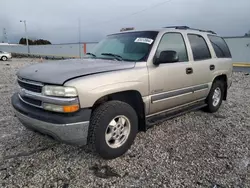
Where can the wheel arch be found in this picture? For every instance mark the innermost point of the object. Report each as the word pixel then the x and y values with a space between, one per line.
pixel 3 57
pixel 133 98
pixel 224 79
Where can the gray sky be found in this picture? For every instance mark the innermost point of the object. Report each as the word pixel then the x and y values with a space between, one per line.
pixel 57 20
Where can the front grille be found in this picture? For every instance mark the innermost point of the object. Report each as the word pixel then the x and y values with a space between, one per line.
pixel 27 88
pixel 31 101
pixel 30 86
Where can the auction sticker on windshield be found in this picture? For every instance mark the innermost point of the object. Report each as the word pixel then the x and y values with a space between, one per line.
pixel 144 40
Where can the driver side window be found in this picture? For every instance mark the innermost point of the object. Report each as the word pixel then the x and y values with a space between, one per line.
pixel 175 42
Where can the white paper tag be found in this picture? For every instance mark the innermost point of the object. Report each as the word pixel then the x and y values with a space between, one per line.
pixel 144 40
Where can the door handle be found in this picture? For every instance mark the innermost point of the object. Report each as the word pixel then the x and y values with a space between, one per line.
pixel 212 67
pixel 189 70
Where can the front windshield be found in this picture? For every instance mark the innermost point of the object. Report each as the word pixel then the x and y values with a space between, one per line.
pixel 131 46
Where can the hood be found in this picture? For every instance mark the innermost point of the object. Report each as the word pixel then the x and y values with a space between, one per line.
pixel 58 72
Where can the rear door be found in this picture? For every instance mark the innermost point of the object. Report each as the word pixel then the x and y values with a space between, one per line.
pixel 202 64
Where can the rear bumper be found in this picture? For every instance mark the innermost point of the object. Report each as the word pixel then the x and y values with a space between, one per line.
pixel 68 128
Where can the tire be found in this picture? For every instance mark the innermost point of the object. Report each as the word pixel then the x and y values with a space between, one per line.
pixel 103 122
pixel 4 58
pixel 213 102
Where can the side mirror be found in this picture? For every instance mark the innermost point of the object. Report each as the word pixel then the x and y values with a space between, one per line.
pixel 166 57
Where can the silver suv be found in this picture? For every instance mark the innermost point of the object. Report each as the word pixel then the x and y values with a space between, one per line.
pixel 129 82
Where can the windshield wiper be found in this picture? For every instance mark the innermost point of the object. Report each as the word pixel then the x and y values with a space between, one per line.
pixel 91 54
pixel 118 57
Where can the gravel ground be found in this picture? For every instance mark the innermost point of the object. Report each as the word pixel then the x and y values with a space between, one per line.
pixel 194 150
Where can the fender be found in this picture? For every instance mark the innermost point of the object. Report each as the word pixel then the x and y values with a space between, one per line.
pixel 92 88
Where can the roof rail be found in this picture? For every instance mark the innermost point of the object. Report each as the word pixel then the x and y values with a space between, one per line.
pixel 186 27
pixel 178 27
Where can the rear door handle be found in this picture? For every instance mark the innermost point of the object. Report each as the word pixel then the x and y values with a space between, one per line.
pixel 189 70
pixel 212 67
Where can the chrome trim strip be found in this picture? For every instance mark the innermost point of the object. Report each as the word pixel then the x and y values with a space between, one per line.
pixel 30 82
pixel 175 107
pixel 177 93
pixel 171 94
pixel 200 87
pixel 156 101
pixel 200 90
pixel 48 99
pixel 78 123
pixel 28 102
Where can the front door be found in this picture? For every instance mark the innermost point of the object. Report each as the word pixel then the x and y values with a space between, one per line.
pixel 170 83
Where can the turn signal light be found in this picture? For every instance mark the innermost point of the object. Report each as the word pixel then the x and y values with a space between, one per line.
pixel 72 108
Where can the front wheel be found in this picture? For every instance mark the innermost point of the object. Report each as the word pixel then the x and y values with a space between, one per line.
pixel 4 58
pixel 215 96
pixel 113 128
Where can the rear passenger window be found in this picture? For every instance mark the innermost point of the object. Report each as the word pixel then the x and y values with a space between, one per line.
pixel 175 42
pixel 199 47
pixel 220 47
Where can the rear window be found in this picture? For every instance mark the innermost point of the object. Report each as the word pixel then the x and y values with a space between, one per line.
pixel 199 47
pixel 220 47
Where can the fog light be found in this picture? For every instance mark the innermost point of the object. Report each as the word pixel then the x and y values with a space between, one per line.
pixel 59 108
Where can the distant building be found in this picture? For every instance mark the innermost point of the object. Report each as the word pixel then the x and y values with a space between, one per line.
pixel 7 44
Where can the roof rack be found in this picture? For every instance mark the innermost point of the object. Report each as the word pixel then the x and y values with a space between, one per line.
pixel 186 27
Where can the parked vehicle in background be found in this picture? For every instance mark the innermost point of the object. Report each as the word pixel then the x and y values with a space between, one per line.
pixel 4 56
pixel 129 82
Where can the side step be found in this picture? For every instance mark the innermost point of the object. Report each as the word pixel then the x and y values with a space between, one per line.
pixel 156 119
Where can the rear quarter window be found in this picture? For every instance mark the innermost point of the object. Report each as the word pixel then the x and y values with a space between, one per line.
pixel 220 46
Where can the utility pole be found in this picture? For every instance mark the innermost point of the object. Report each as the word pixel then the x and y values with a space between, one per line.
pixel 5 37
pixel 79 33
pixel 27 40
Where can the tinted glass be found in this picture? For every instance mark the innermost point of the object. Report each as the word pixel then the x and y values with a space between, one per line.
pixel 220 47
pixel 131 46
pixel 199 47
pixel 175 42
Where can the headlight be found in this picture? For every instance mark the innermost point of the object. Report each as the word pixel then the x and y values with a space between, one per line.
pixel 60 91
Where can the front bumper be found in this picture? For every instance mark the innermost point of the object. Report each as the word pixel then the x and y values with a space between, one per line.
pixel 69 128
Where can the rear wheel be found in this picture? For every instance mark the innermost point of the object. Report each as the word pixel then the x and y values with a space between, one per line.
pixel 4 58
pixel 215 96
pixel 113 128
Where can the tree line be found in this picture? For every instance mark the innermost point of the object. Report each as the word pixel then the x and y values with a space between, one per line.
pixel 34 42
